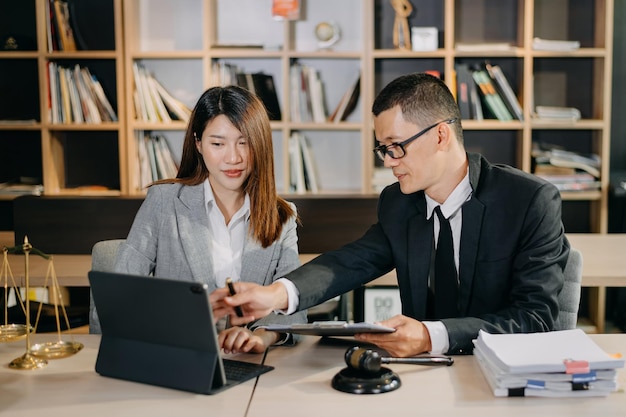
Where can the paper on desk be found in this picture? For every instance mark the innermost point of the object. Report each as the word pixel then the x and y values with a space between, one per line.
pixel 543 352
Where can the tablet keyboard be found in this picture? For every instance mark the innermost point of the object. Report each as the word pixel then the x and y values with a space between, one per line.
pixel 239 371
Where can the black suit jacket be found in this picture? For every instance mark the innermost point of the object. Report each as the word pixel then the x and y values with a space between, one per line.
pixel 512 254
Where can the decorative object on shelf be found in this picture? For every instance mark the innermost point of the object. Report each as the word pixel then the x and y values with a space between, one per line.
pixel 36 356
pixel 286 9
pixel 327 34
pixel 424 39
pixel 401 33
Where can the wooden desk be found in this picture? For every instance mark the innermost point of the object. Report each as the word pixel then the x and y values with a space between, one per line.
pixel 604 265
pixel 301 385
pixel 70 387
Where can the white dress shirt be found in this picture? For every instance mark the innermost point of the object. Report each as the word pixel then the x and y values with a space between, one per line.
pixel 451 210
pixel 227 240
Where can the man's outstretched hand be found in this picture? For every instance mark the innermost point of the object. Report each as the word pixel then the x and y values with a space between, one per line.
pixel 256 301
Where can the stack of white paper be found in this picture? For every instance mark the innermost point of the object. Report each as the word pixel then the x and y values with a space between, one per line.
pixel 554 364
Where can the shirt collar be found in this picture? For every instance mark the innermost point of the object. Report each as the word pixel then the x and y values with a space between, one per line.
pixel 461 193
pixel 209 202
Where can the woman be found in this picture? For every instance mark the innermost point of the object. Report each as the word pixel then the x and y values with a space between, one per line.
pixel 221 216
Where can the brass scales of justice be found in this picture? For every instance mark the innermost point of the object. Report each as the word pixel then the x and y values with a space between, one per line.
pixel 36 356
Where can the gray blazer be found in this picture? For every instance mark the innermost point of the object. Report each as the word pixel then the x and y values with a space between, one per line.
pixel 170 238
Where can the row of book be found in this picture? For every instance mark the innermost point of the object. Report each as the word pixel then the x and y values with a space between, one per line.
pixel 259 83
pixel 308 98
pixel 567 170
pixel 153 103
pixel 60 26
pixel 483 92
pixel 562 364
pixel 76 96
pixel 156 160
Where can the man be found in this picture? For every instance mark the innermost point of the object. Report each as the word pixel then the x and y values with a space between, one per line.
pixel 508 245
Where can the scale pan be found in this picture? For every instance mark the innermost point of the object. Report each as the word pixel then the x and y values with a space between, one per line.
pixel 55 350
pixel 11 332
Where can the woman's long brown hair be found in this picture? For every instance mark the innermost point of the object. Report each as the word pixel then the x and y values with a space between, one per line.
pixel 268 211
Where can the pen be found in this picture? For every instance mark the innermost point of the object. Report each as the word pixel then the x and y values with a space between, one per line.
pixel 231 289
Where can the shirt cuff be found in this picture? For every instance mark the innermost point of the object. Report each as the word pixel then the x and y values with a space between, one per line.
pixel 438 337
pixel 293 297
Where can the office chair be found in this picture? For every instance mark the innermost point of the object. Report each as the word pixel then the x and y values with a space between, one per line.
pixel 103 256
pixel 569 297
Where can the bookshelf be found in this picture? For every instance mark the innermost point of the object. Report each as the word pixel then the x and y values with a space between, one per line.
pixel 189 37
pixel 179 43
pixel 66 157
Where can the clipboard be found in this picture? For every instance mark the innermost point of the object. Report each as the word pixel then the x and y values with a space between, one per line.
pixel 329 328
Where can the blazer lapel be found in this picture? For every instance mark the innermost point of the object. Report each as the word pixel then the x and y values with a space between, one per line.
pixel 193 227
pixel 420 245
pixel 253 257
pixel 473 211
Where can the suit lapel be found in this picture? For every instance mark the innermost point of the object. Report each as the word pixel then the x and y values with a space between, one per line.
pixel 420 241
pixel 473 211
pixel 193 227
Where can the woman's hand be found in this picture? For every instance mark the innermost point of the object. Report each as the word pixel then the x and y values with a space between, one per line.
pixel 242 340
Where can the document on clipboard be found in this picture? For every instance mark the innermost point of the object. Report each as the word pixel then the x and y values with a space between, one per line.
pixel 329 328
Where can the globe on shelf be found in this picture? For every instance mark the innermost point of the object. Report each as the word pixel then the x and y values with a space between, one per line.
pixel 327 34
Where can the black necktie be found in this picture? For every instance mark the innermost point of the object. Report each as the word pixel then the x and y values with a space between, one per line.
pixel 446 285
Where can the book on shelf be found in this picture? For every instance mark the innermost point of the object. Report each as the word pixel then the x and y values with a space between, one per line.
pixel 564 363
pixel 153 102
pixel 303 170
pixel 76 96
pixel 307 93
pixel 16 189
pixel 540 44
pixel 505 91
pixel 59 26
pixel 296 165
pixel 484 46
pixel 348 101
pixel 545 154
pixel 258 83
pixel 557 113
pixel 490 97
pixel 155 158
pixel 465 86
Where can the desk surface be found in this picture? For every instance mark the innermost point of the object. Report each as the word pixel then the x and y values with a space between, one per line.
pixel 70 387
pixel 301 382
pixel 300 385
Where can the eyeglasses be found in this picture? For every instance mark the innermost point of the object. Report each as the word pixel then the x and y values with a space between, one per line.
pixel 396 150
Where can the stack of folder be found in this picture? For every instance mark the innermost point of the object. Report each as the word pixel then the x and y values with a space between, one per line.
pixel 563 363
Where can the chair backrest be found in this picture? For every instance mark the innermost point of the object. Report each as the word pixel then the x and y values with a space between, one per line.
pixel 569 297
pixel 103 256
